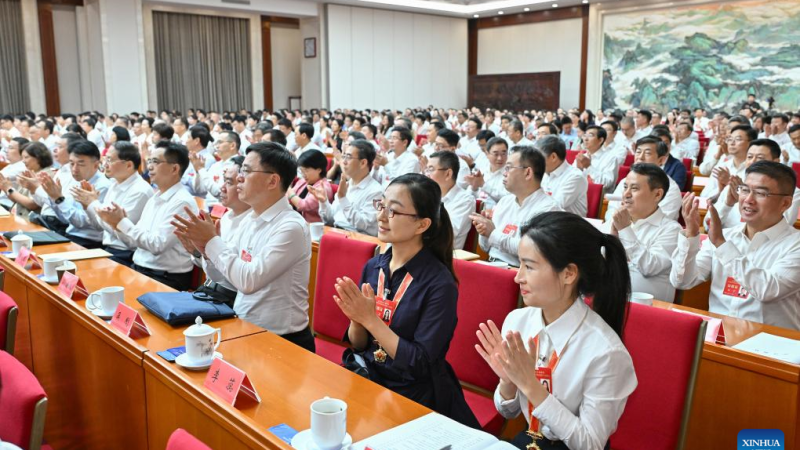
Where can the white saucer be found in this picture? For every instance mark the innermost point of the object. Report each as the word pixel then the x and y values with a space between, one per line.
pixel 99 313
pixel 184 361
pixel 53 280
pixel 303 441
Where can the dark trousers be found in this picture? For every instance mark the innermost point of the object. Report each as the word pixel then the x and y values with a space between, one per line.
pixel 83 242
pixel 124 257
pixel 178 281
pixel 51 223
pixel 522 440
pixel 302 338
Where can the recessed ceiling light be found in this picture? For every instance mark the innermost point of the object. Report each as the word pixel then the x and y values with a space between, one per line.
pixel 476 15
pixel 527 9
pixel 500 12
pixel 555 5
pixel 585 1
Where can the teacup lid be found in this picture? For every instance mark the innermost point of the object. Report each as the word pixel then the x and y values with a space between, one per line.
pixel 20 236
pixel 198 329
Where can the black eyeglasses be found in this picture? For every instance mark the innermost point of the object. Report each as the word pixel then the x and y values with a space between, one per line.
pixel 244 171
pixel 390 213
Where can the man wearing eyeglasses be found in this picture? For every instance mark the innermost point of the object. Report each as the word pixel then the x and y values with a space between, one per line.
pixel 737 142
pixel 443 168
pixel 211 179
pixel 499 236
pixel 352 206
pixel 755 267
pixel 728 203
pixel 159 254
pixel 598 164
pixel 564 183
pixel 447 141
pixel 269 265
pixel 486 184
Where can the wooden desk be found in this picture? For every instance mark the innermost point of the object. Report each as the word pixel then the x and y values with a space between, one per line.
pixel 699 184
pixel 93 375
pixel 286 378
pixel 737 390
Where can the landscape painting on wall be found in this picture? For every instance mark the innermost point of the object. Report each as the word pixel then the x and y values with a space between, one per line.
pixel 708 56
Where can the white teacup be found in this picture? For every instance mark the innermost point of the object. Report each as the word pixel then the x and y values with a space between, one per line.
pixel 19 241
pixel 110 297
pixel 50 265
pixel 328 423
pixel 200 345
pixel 66 266
pixel 642 298
pixel 317 230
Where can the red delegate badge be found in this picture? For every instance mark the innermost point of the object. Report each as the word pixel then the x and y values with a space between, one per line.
pixel 734 289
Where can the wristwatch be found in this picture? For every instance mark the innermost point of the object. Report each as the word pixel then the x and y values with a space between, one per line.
pixel 10 191
pixel 60 200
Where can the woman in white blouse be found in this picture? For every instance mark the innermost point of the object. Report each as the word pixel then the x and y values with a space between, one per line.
pixel 562 363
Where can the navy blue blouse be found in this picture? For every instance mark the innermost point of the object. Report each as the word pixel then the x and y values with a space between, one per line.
pixel 425 320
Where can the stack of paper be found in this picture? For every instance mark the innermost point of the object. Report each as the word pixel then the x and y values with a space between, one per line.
pixel 772 346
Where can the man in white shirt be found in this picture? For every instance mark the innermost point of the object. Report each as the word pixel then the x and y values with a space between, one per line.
pixel 650 150
pixel 598 164
pixel 159 254
pixel 500 235
pixel 613 144
pixel 568 133
pixel 643 127
pixel 737 143
pixel 47 217
pixel 755 267
pixel 352 207
pixel 717 150
pixel 487 183
pixel 181 127
pixel 564 183
pixel 400 161
pixel 443 168
pixel 447 141
pixel 701 122
pixel 728 203
pixel 212 179
pixel 648 235
pixel 468 147
pixel 516 135
pixel 433 132
pixel 627 135
pixel 304 139
pixel 684 146
pixel 779 125
pixel 285 126
pixel 269 264
pixel 84 158
pixel 245 135
pixel 128 190
pixel 14 158
pixel 46 136
pixel 792 153
pixel 92 133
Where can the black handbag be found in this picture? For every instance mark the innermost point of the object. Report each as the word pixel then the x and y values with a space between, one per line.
pixel 354 362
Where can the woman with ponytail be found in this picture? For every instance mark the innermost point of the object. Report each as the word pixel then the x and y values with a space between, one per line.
pixel 560 359
pixel 403 312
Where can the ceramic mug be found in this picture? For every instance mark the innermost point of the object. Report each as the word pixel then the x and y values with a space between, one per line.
pixel 50 266
pixel 68 266
pixel 328 423
pixel 200 348
pixel 317 230
pixel 642 298
pixel 19 241
pixel 110 297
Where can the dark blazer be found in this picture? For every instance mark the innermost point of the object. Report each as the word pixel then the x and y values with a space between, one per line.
pixel 676 170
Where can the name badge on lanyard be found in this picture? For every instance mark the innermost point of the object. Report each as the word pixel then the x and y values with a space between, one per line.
pixel 734 289
pixel 510 229
pixel 384 308
pixel 544 375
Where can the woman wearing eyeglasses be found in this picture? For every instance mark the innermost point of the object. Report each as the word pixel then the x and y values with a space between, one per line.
pixel 403 312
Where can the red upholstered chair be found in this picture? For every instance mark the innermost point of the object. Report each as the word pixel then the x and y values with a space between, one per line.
pixel 622 172
pixel 687 162
pixel 594 198
pixel 571 155
pixel 665 347
pixel 485 292
pixel 330 164
pixel 689 181
pixel 796 168
pixel 334 189
pixel 628 160
pixel 180 439
pixel 421 139
pixel 338 256
pixel 23 404
pixel 471 243
pixel 8 322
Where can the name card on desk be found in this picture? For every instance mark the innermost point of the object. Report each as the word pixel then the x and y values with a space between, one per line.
pixel 229 382
pixel 128 321
pixel 24 256
pixel 715 332
pixel 218 210
pixel 72 287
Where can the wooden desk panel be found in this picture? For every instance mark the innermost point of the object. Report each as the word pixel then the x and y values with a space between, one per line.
pixel 22 342
pixel 288 380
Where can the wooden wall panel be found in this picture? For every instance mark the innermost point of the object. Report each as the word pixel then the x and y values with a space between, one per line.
pixel 515 92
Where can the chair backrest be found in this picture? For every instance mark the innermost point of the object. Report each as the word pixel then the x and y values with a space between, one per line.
pixel 8 322
pixel 471 243
pixel 687 162
pixel 571 155
pixel 622 172
pixel 338 257
pixel 689 181
pixel 421 139
pixel 23 404
pixel 180 439
pixel 594 198
pixel 665 347
pixel 330 164
pixel 796 168
pixel 628 160
pixel 334 188
pixel 484 292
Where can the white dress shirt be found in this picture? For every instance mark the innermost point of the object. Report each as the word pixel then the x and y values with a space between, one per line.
pixel 568 188
pixel 153 236
pixel 604 168
pixel 212 179
pixel 624 141
pixel 230 230
pixel 73 213
pixel 459 205
pixel 40 197
pixel 649 244
pixel 591 382
pixel 670 205
pixel 493 188
pixel 731 216
pixel 508 218
pixel 51 142
pixel 355 210
pixel 783 140
pixel 687 148
pixel 96 137
pixel 640 133
pixel 794 155
pixel 709 160
pixel 766 268
pixel 269 267
pixel 12 170
pixel 132 195
pixel 469 147
pixel 522 142
pixel 310 146
pixel 711 190
pixel 619 151
pixel 407 162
